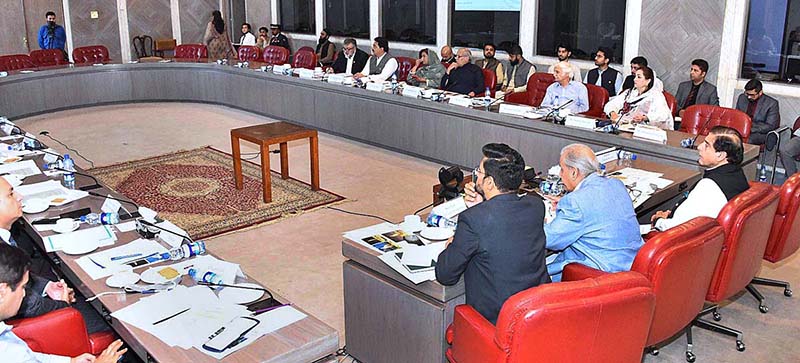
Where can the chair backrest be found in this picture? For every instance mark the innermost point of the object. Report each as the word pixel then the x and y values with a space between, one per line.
pixel 307 49
pixel 744 219
pixel 40 335
pixel 143 46
pixel 165 44
pixel 609 317
pixel 784 238
pixel 489 80
pixel 698 119
pixel 796 124
pixel 679 263
pixel 274 54
pixel 91 54
pixel 304 58
pixel 249 53
pixel 191 51
pixel 598 96
pixel 48 57
pixel 404 65
pixel 537 87
pixel 672 103
pixel 15 62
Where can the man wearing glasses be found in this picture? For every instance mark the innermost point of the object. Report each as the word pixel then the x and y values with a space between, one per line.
pixel 351 60
pixel 762 109
pixel 463 76
pixel 499 241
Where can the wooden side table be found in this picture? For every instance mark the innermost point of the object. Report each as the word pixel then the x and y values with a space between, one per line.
pixel 270 134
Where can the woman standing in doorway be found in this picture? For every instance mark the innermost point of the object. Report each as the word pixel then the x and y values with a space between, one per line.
pixel 216 39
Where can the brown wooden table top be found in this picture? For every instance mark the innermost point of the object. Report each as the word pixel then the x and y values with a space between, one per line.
pixel 273 133
pixel 303 341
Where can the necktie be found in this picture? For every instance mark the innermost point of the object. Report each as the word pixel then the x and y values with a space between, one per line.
pixel 690 99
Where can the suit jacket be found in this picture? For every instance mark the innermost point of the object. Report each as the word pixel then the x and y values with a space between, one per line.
pixel 767 116
pixel 499 248
pixel 595 225
pixel 34 304
pixel 706 95
pixel 359 61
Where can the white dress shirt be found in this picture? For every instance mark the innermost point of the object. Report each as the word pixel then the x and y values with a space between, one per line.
pixel 705 200
pixel 15 350
pixel 247 39
pixel 350 60
pixel 388 69
pixel 5 235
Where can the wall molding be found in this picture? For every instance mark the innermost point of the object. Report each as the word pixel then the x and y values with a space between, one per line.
pixel 68 27
pixel 175 15
pixel 124 30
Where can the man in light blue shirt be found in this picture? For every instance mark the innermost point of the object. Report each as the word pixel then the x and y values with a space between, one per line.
pixel 595 224
pixel 563 90
pixel 14 271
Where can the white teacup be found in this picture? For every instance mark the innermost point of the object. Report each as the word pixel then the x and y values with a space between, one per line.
pixel 411 224
pixel 64 225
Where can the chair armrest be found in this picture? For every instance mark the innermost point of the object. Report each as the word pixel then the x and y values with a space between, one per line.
pixel 472 337
pixel 61 332
pixel 100 341
pixel 576 272
pixel 650 235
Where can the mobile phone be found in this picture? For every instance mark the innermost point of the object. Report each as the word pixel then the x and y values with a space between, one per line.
pixel 231 334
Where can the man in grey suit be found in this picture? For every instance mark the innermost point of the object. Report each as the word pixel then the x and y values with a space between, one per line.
pixel 696 91
pixel 762 109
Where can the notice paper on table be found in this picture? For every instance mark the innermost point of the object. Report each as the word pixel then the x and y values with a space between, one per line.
pixel 21 169
pixel 391 259
pixel 51 191
pixel 421 255
pixel 173 239
pixel 382 237
pixel 100 264
pixel 103 235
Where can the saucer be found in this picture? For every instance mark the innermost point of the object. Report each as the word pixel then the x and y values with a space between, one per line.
pixel 75 226
pixel 35 206
pixel 436 233
pixel 122 279
pixel 412 227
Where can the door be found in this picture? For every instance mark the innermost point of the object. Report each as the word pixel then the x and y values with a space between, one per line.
pixel 34 17
pixel 235 15
pixel 12 26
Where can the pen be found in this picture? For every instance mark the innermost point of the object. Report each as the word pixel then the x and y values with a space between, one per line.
pixel 171 316
pixel 116 258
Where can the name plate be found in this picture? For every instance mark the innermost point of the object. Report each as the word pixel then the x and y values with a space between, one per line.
pixel 281 69
pixel 304 73
pixel 460 101
pixel 412 91
pixel 516 110
pixel 651 133
pixel 376 87
pixel 607 155
pixel 337 78
pixel 580 122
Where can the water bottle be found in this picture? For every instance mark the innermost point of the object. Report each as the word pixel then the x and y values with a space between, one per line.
pixel 556 102
pixel 69 176
pixel 602 169
pixel 209 277
pixel 487 98
pixel 394 83
pixel 435 220
pixel 101 218
pixel 625 158
pixel 17 146
pixel 188 250
pixel 58 164
pixel 762 174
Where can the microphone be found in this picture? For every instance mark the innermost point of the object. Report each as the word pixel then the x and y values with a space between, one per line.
pixel 503 97
pixel 130 215
pixel 148 224
pixel 15 130
pixel 689 142
pixel 96 184
pixel 554 111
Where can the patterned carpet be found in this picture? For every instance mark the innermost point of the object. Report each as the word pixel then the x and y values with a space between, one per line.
pixel 195 190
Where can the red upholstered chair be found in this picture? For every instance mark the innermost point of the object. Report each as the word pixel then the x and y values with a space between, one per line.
pixel 603 319
pixel 745 219
pixel 672 103
pixel 249 53
pixel 534 90
pixel 48 57
pixel 61 332
pixel 307 49
pixel 490 81
pixel 698 119
pixel 304 59
pixel 191 51
pixel 91 54
pixel 274 54
pixel 784 238
pixel 15 62
pixel 404 65
pixel 679 263
pixel 598 96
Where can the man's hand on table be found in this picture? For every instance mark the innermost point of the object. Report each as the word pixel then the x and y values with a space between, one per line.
pixel 60 291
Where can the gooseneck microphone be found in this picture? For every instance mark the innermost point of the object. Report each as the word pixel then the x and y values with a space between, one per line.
pixel 96 184
pixel 689 143
pixel 119 200
pixel 555 110
pixel 503 97
pixel 149 224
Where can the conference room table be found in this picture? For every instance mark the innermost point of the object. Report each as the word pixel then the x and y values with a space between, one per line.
pixel 440 132
pixel 306 340
pixel 383 306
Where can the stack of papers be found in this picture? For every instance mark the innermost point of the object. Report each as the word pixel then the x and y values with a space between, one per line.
pixel 100 264
pixel 103 235
pixel 416 273
pixel 21 169
pixel 382 237
pixel 641 183
pixel 51 191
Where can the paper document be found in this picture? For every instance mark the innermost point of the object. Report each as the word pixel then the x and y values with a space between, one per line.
pixel 103 235
pixel 382 237
pixel 422 255
pixel 51 191
pixel 92 263
pixel 172 239
pixel 270 321
pixel 418 277
pixel 126 226
pixel 21 169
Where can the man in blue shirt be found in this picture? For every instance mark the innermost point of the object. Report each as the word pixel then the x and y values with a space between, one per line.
pixel 14 273
pixel 595 224
pixel 52 35
pixel 564 89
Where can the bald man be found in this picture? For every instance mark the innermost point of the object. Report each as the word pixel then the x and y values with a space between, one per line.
pixel 463 76
pixel 447 55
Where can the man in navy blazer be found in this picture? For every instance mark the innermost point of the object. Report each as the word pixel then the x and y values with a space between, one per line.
pixel 762 109
pixel 595 224
pixel 499 242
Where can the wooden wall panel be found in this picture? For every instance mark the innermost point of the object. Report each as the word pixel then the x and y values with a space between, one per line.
pixel 259 14
pixel 149 17
pixel 195 15
pixel 101 31
pixel 34 17
pixel 12 26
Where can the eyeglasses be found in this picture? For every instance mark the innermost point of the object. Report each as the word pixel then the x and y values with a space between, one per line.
pixel 462 56
pixel 475 173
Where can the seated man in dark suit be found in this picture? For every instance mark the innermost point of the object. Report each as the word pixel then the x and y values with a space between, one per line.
pixel 463 76
pixel 696 91
pixel 762 109
pixel 499 242
pixel 351 60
